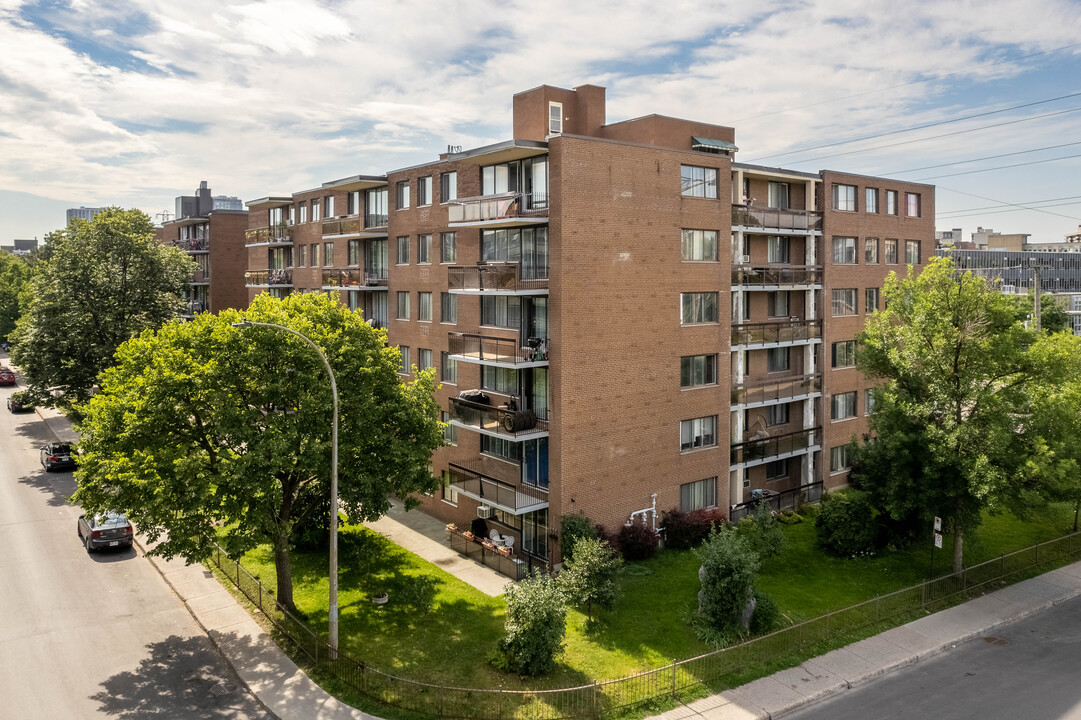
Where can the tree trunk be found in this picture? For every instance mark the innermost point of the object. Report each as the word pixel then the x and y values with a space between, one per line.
pixel 958 541
pixel 1076 509
pixel 284 568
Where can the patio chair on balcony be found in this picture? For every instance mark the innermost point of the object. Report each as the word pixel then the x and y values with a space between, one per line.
pixel 496 538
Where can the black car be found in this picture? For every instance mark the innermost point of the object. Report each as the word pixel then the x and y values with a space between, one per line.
pixel 108 530
pixel 18 403
pixel 57 456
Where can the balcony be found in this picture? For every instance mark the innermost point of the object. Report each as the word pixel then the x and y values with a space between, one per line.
pixel 776 219
pixel 503 560
pixel 193 308
pixel 351 226
pixel 269 236
pixel 788 389
pixel 770 278
pixel 355 279
pixel 373 221
pixel 494 279
pixel 518 499
pixel 497 351
pixel 798 332
pixel 198 244
pixel 497 421
pixel 766 449
pixel 268 278
pixel 503 210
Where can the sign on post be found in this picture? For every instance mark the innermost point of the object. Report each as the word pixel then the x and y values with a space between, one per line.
pixel 938 525
pixel 938 541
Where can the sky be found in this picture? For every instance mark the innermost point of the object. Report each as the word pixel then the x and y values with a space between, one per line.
pixel 134 103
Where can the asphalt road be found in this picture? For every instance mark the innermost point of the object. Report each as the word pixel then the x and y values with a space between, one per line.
pixel 1027 670
pixel 90 635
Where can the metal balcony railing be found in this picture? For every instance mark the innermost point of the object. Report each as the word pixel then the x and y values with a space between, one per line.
pixel 767 447
pixel 375 220
pixel 780 276
pixel 776 332
pixel 268 278
pixel 342 226
pixel 276 234
pixel 504 206
pixel 779 389
pixel 515 499
pixel 494 277
pixel 497 420
pixel 343 278
pixel 775 218
pixel 195 244
pixel 376 276
pixel 496 350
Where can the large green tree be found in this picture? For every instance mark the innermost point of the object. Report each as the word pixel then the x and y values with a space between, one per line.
pixel 204 430
pixel 100 283
pixel 956 362
pixel 14 276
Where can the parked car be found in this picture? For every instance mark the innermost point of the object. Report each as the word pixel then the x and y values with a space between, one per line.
pixel 109 530
pixel 18 403
pixel 57 456
pixel 7 377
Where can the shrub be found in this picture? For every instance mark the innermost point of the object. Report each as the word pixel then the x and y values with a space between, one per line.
pixel 730 568
pixel 589 576
pixel 765 615
pixel 574 527
pixel 789 517
pixel 686 530
pixel 845 525
pixel 535 624
pixel 636 541
pixel 762 532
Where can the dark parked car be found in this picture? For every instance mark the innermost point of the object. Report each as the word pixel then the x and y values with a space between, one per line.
pixel 57 456
pixel 18 403
pixel 109 530
pixel 7 377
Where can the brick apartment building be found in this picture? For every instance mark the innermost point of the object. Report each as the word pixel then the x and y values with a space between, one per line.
pixel 625 355
pixel 215 241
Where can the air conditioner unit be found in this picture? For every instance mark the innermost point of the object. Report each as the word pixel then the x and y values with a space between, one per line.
pixel 745 260
pixel 484 512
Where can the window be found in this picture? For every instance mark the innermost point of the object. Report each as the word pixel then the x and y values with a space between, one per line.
pixel 777 469
pixel 870 251
pixel 354 252
pixel 375 208
pixel 698 433
pixel 313 256
pixel 328 254
pixel 839 458
pixel 424 306
pixel 870 300
pixel 449 493
pixel 352 203
pixel 844 198
pixel 698 181
pixel 777 303
pixel 328 206
pixel 403 305
pixel 912 204
pixel 403 195
pixel 424 191
pixel 424 249
pixel 302 255
pixel 501 380
pixel 912 252
pixel 777 359
pixel 315 209
pixel 448 186
pixel 424 358
pixel 870 203
pixel 777 415
pixel 869 401
pixel 844 302
pixel 555 118
pixel 844 353
pixel 406 363
pixel 699 308
pixel 843 405
pixel 303 212
pixel 891 202
pixel 697 370
pixel 891 252
pixel 777 249
pixel 844 250
pixel 403 249
pixel 778 195
pixel 698 495
pixel 448 308
pixel 500 311
pixel 292 214
pixel 448 247
pixel 699 245
pixel 448 369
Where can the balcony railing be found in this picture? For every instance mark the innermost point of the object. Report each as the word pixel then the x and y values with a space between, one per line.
pixel 265 235
pixel 486 349
pixel 268 278
pixel 515 499
pixel 506 564
pixel 342 226
pixel 776 332
pixel 523 424
pixel 776 389
pixel 195 244
pixel 775 218
pixel 343 278
pixel 493 277
pixel 375 220
pixel 505 206
pixel 767 447
pixel 786 276
pixel 193 308
pixel 376 276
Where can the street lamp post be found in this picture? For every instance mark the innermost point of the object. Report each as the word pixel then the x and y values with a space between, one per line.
pixel 333 618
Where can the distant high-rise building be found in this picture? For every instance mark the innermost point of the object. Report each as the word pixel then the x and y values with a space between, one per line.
pixel 83 213
pixel 227 202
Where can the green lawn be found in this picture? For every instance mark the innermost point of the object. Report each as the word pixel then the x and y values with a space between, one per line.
pixel 439 629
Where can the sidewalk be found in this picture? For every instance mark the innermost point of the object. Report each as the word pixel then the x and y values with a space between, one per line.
pixel 288 693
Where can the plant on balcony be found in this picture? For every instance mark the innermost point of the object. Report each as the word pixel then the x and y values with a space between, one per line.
pixel 589 575
pixel 536 623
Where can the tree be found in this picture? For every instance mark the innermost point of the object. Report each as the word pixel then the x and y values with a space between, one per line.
pixel 589 575
pixel 14 277
pixel 729 571
pixel 536 622
pixel 956 363
pixel 100 283
pixel 1053 315
pixel 203 430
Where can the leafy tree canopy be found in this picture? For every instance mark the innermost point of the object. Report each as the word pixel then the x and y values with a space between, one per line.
pixel 14 277
pixel 589 575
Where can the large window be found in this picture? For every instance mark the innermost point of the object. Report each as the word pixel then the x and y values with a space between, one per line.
pixel 777 303
pixel 407 364
pixel 448 186
pixel 844 198
pixel 424 306
pixel 777 415
pixel 526 246
pixel 328 254
pixel 402 195
pixel 843 405
pixel 555 118
pixel 698 181
pixel 698 433
pixel 870 300
pixel 844 250
pixel 448 308
pixel 839 458
pixel 777 359
pixel 777 469
pixel 424 358
pixel 871 200
pixel 778 195
pixel 403 249
pixel 890 251
pixel 448 369
pixel 528 177
pixel 844 353
pixel 315 209
pixel 891 202
pixel 912 204
pixel 354 252
pixel 501 311
pixel 328 206
pixel 697 370
pixel 777 249
pixel 375 208
pixel 869 401
pixel 424 249
pixel 699 245
pixel 844 302
pixel 912 252
pixel 403 305
pixel 424 190
pixel 501 380
pixel 698 495
pixel 870 251
pixel 448 247
pixel 698 308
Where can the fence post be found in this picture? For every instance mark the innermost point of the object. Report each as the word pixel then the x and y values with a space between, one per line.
pixel 673 679
pixel 260 597
pixel 238 575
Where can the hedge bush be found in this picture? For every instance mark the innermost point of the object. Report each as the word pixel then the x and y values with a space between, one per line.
pixel 575 527
pixel 845 525
pixel 686 530
pixel 536 622
pixel 730 568
pixel 636 542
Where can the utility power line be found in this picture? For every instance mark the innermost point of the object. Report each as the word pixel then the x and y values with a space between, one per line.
pixel 988 157
pixel 1003 203
pixel 1029 202
pixel 952 215
pixel 1000 167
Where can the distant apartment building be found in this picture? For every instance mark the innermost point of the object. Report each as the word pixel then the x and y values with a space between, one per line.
pixel 227 202
pixel 988 239
pixel 952 237
pixel 214 238
pixel 83 213
pixel 623 318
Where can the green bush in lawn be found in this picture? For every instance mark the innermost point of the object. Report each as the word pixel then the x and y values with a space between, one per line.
pixel 845 525
pixel 636 541
pixel 589 576
pixel 686 530
pixel 730 568
pixel 765 615
pixel 762 532
pixel 789 517
pixel 536 622
pixel 573 528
